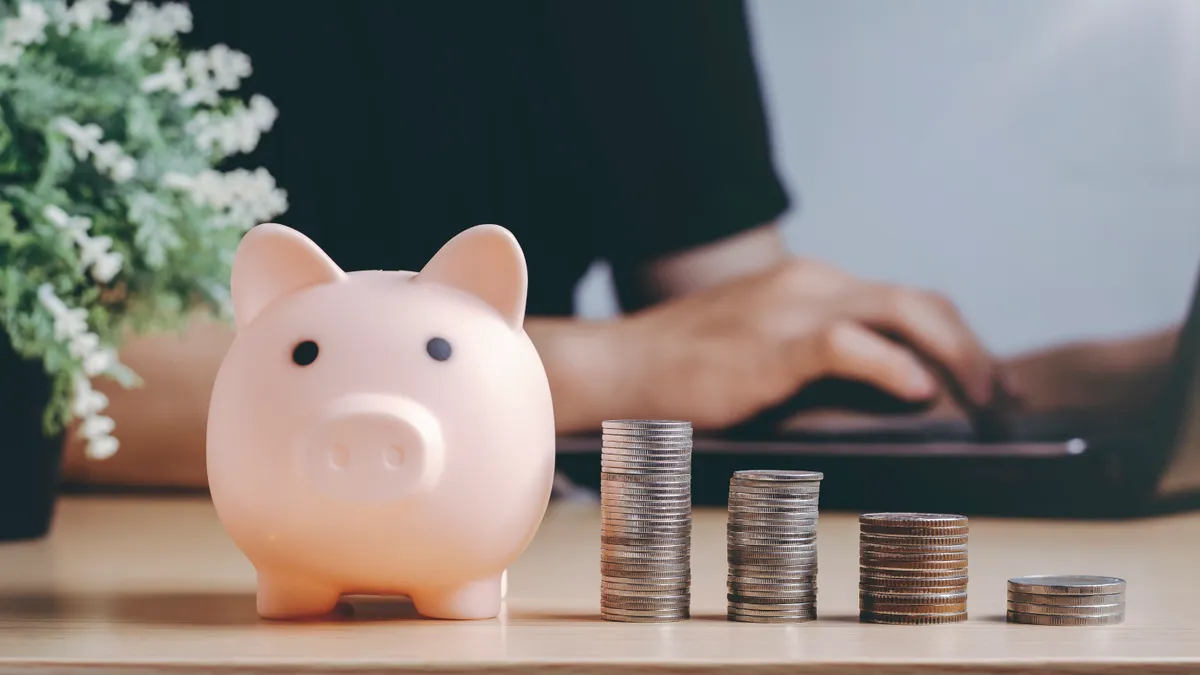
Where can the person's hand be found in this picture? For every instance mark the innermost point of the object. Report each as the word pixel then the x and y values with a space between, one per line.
pixel 720 356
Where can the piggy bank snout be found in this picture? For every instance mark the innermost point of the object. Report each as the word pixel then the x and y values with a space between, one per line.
pixel 373 448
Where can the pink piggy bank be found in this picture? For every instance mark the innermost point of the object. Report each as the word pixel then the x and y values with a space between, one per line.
pixel 380 432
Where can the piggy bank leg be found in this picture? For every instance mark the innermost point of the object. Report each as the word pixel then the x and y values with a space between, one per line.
pixel 284 596
pixel 475 600
pixel 504 585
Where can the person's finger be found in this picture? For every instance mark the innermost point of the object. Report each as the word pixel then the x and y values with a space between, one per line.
pixel 851 351
pixel 933 326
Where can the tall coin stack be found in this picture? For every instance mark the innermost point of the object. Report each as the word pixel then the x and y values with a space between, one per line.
pixel 1070 600
pixel 646 520
pixel 912 568
pixel 772 546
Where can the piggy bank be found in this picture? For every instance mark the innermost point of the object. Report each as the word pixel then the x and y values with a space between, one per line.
pixel 380 432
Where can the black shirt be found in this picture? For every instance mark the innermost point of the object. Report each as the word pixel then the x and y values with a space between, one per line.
pixel 620 130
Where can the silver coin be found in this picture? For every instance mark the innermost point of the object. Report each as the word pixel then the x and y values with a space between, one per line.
pixel 1073 600
pixel 682 464
pixel 777 512
pixel 775 569
pixel 656 610
pixel 770 498
pixel 776 476
pixel 682 491
pixel 646 584
pixel 903 519
pixel 956 566
pixel 911 619
pixel 905 540
pixel 788 529
pixel 910 561
pixel 645 424
pixel 646 433
pixel 647 509
pixel 769 583
pixel 644 601
pixel 921 598
pixel 750 616
pixel 645 481
pixel 885 549
pixel 750 610
pixel 1053 620
pixel 1066 584
pixel 780 489
pixel 1064 610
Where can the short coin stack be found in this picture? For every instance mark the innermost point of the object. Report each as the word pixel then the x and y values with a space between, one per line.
pixel 772 546
pixel 1071 600
pixel 912 568
pixel 646 520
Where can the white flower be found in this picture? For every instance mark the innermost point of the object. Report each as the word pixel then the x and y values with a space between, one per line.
pixel 102 448
pixel 239 131
pixel 108 157
pixel 96 426
pixel 147 23
pixel 86 12
pixel 246 198
pixel 228 66
pixel 26 28
pixel 171 78
pixel 82 344
pixel 99 361
pixel 87 401
pixel 107 267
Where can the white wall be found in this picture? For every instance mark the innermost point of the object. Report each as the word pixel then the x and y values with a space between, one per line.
pixel 1037 160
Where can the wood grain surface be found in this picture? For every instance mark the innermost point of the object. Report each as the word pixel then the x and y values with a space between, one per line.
pixel 152 584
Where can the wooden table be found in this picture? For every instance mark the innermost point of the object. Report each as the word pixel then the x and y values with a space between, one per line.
pixel 152 584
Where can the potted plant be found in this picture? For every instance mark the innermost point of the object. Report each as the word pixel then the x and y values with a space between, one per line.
pixel 115 217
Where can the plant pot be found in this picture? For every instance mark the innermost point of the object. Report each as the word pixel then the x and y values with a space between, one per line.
pixel 30 461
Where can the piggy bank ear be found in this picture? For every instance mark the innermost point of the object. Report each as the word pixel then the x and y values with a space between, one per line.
pixel 487 262
pixel 272 261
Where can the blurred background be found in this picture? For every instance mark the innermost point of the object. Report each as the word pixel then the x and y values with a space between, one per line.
pixel 1036 160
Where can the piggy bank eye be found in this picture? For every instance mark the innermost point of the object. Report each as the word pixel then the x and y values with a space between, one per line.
pixel 438 348
pixel 305 353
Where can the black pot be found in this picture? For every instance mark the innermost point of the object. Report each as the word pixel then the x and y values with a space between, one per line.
pixel 30 461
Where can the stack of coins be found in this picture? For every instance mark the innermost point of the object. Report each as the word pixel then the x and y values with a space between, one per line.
pixel 772 546
pixel 1072 600
pixel 912 568
pixel 646 520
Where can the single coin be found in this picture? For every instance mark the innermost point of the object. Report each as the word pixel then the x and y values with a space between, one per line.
pixel 1061 610
pixel 906 608
pixel 916 532
pixel 921 598
pixel 618 587
pixel 798 618
pixel 774 500
pixel 619 434
pixel 1054 620
pixel 1066 600
pixel 645 424
pixel 645 602
pixel 911 619
pixel 1069 584
pixel 667 616
pixel 875 572
pixel 661 572
pixel 914 541
pixel 770 601
pixel 792 613
pixel 918 565
pixel 905 556
pixel 957 584
pixel 776 476
pixel 764 609
pixel 793 584
pixel 913 519
pixel 634 480
pixel 892 550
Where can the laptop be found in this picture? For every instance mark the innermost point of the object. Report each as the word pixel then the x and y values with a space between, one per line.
pixel 1081 464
